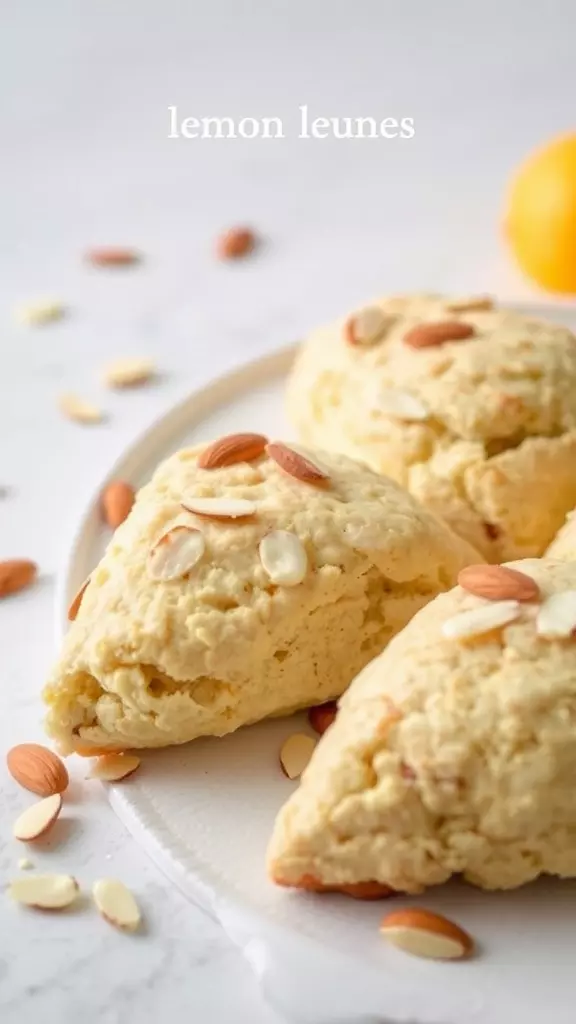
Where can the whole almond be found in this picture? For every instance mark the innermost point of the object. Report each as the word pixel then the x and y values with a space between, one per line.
pixel 38 769
pixel 77 601
pixel 235 243
pixel 113 256
pixel 426 934
pixel 296 465
pixel 117 501
pixel 231 449
pixel 426 335
pixel 498 583
pixel 322 716
pixel 15 574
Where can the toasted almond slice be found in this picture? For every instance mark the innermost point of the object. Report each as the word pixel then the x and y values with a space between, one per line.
pixel 46 892
pixel 295 754
pixel 498 582
pixel 113 256
pixel 129 373
pixel 473 304
pixel 426 934
pixel 283 558
pixel 220 508
pixel 231 449
pixel 436 333
pixel 36 820
pixel 116 904
pixel 114 767
pixel 401 404
pixel 367 326
pixel 322 716
pixel 76 409
pixel 116 500
pixel 556 618
pixel 41 312
pixel 77 601
pixel 299 466
pixel 176 553
pixel 37 768
pixel 481 620
pixel 15 574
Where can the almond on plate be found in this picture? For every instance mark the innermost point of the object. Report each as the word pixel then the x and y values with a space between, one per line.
pixel 45 892
pixel 38 769
pixel 295 754
pixel 37 819
pixel 117 500
pixel 235 243
pixel 15 574
pixel 322 716
pixel 426 934
pixel 113 256
pixel 129 373
pixel 114 767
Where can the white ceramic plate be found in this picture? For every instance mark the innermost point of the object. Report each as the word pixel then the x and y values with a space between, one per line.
pixel 204 813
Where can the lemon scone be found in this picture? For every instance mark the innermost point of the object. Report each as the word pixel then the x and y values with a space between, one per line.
pixel 249 579
pixel 563 546
pixel 453 752
pixel 470 407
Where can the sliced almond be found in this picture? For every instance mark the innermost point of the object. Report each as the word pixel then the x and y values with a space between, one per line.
pixel 77 601
pixel 176 553
pixel 426 335
pixel 367 326
pixel 401 404
pixel 116 501
pixel 38 769
pixel 41 312
pixel 76 409
pixel 129 373
pixel 235 243
pixel 92 750
pixel 116 904
pixel 24 864
pixel 426 934
pixel 481 620
pixel 36 820
pixel 498 582
pixel 220 508
pixel 46 892
pixel 113 256
pixel 473 304
pixel 114 767
pixel 15 574
pixel 322 716
pixel 295 754
pixel 231 449
pixel 283 558
pixel 556 618
pixel 296 465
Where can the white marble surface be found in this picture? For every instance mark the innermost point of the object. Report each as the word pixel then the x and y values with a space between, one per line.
pixel 85 159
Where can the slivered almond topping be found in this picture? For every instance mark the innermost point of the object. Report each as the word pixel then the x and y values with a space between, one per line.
pixel 113 256
pixel 498 582
pixel 129 373
pixel 296 465
pixel 322 716
pixel 76 409
pixel 401 404
pixel 295 754
pixel 176 553
pixel 231 449
pixel 367 326
pixel 36 820
pixel 117 500
pixel 114 767
pixel 483 619
pixel 15 574
pixel 116 904
pixel 426 934
pixel 220 508
pixel 473 304
pixel 77 601
pixel 37 768
pixel 556 618
pixel 426 335
pixel 283 558
pixel 41 312
pixel 45 892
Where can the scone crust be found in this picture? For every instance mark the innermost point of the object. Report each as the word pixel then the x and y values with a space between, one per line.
pixel 150 663
pixel 445 758
pixel 496 450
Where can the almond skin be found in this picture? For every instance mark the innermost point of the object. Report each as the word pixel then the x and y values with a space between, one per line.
pixel 15 574
pixel 498 583
pixel 117 501
pixel 235 243
pixel 357 890
pixel 322 716
pixel 296 465
pixel 426 335
pixel 38 769
pixel 112 256
pixel 231 449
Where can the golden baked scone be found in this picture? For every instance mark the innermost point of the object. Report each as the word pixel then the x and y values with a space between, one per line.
pixel 470 407
pixel 563 547
pixel 453 752
pixel 241 589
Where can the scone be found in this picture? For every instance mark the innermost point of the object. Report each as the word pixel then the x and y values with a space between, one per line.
pixel 563 546
pixel 248 580
pixel 470 407
pixel 453 752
